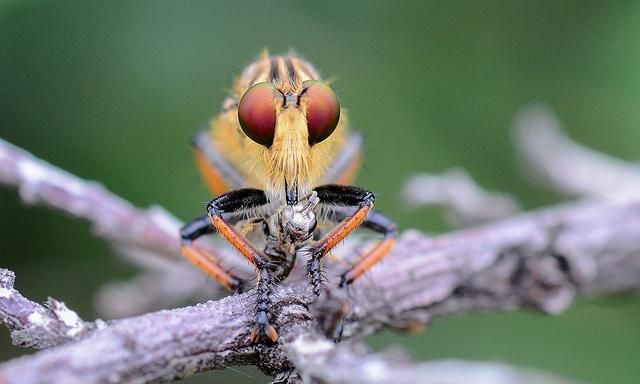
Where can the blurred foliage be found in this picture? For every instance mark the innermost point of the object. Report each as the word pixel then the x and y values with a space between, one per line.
pixel 113 91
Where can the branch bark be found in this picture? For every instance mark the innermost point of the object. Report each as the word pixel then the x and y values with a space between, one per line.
pixel 37 326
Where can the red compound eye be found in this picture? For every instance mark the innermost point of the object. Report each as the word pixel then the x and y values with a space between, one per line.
pixel 323 110
pixel 257 114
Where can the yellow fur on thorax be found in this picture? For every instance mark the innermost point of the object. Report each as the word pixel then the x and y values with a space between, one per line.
pixel 290 157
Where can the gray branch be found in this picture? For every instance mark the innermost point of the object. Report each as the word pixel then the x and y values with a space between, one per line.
pixel 465 203
pixel 551 157
pixel 312 356
pixel 147 238
pixel 38 326
pixel 540 260
pixel 39 182
pixel 547 154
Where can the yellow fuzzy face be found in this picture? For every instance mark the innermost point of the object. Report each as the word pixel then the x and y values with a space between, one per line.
pixel 281 127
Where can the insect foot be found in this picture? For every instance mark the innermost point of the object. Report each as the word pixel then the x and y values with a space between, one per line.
pixel 262 331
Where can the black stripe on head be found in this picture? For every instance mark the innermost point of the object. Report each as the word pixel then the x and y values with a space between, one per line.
pixel 291 71
pixel 275 71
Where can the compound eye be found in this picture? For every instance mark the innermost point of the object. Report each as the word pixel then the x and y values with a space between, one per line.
pixel 257 113
pixel 323 110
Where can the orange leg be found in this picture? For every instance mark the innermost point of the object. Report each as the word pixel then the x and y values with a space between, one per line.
pixel 380 223
pixel 330 240
pixel 203 259
pixel 241 200
pixel 221 213
pixel 342 230
pixel 343 197
pixel 209 263
pixel 368 261
pixel 349 174
pixel 218 173
pixel 236 239
pixel 211 175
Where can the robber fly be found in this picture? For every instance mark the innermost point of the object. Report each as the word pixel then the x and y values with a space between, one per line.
pixel 280 155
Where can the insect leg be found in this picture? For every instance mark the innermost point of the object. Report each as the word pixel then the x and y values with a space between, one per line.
pixel 263 330
pixel 346 196
pixel 338 196
pixel 226 205
pixel 204 259
pixel 238 201
pixel 376 222
pixel 217 172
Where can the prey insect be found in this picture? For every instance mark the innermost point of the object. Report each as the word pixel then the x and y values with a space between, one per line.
pixel 280 157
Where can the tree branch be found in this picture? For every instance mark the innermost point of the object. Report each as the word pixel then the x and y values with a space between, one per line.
pixel 36 326
pixel 539 260
pixel 465 203
pixel 351 364
pixel 147 238
pixel 113 218
pixel 553 158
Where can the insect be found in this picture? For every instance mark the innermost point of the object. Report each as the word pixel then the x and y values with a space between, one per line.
pixel 280 157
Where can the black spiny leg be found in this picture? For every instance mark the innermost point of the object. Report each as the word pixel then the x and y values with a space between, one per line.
pixel 241 200
pixel 376 222
pixel 263 329
pixel 222 213
pixel 314 272
pixel 360 200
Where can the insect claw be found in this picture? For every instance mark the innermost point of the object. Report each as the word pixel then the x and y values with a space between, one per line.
pixel 272 333
pixel 263 333
pixel 254 336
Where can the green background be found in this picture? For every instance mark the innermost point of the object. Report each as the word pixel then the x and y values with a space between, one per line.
pixel 113 91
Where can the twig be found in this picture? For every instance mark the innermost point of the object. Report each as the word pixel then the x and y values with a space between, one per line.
pixel 147 238
pixel 37 326
pixel 153 291
pixel 346 362
pixel 465 203
pixel 113 218
pixel 539 260
pixel 564 165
